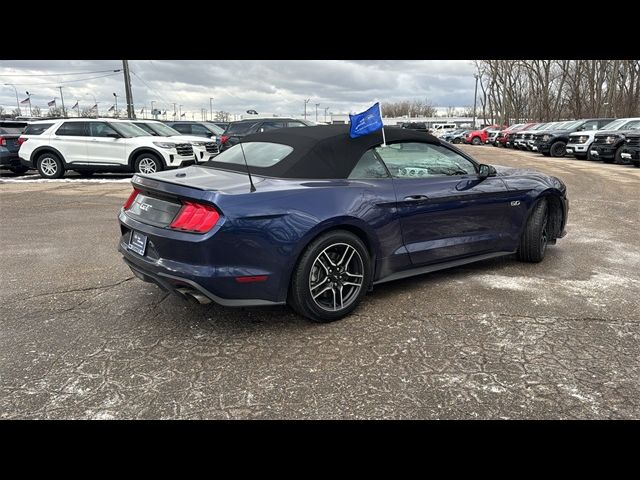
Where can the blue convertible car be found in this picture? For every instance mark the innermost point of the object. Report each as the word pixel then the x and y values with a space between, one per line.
pixel 314 218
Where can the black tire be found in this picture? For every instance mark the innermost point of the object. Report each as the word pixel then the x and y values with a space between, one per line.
pixel 580 156
pixel 19 169
pixel 476 140
pixel 457 140
pixel 546 154
pixel 49 165
pixel 558 149
pixel 333 244
pixel 618 156
pixel 636 163
pixel 533 243
pixel 148 162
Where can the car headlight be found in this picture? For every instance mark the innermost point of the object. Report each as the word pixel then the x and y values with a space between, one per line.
pixel 546 138
pixel 611 139
pixel 580 139
pixel 165 144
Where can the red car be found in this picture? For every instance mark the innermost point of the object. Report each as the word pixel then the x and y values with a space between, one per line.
pixel 478 137
pixel 502 139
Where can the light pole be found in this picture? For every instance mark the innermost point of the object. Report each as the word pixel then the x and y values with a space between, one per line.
pixel 29 97
pixel 475 97
pixel 211 107
pixel 180 111
pixel 305 107
pixel 116 112
pixel 17 100
pixel 325 114
pixel 317 105
pixel 153 110
pixel 64 112
pixel 174 110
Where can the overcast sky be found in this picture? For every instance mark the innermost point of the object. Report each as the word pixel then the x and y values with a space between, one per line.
pixel 277 86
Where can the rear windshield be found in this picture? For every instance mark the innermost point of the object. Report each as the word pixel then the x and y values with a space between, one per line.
pixel 10 131
pixel 258 154
pixel 239 128
pixel 37 128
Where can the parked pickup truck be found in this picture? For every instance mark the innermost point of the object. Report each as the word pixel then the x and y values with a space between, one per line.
pixel 554 142
pixel 631 149
pixel 478 137
pixel 580 142
pixel 607 145
pixel 506 137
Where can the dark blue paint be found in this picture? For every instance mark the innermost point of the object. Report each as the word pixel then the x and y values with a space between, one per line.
pixel 264 233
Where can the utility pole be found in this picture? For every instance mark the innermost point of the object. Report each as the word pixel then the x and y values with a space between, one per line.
pixel 305 107
pixel 116 112
pixel 475 98
pixel 180 111
pixel 325 114
pixel 174 110
pixel 211 107
pixel 317 105
pixel 131 114
pixel 64 113
pixel 153 110
pixel 29 97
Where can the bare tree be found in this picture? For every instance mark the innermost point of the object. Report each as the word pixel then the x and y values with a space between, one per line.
pixel 36 111
pixel 88 112
pixel 1 111
pixel 15 113
pixel 222 116
pixel 54 112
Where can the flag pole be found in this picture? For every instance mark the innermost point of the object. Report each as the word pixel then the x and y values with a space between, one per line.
pixel 384 140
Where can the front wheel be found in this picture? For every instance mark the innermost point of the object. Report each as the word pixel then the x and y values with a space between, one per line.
pixel 148 163
pixel 535 237
pixel 558 149
pixel 476 140
pixel 331 277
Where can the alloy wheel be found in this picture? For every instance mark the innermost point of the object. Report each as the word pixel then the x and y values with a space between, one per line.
pixel 147 165
pixel 336 277
pixel 48 166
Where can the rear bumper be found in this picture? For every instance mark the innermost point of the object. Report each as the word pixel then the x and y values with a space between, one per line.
pixel 9 159
pixel 216 282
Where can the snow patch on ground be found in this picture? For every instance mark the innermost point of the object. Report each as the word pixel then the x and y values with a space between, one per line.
pixel 65 180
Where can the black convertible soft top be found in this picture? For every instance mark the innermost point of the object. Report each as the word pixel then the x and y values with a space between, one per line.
pixel 322 151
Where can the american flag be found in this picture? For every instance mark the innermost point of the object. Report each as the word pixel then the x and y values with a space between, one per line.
pixel 52 103
pixel 75 106
pixel 95 107
pixel 26 100
pixel 112 108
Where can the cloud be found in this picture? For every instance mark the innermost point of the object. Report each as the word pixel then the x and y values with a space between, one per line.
pixel 273 86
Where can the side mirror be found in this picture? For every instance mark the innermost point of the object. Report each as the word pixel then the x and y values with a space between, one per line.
pixel 485 171
pixel 113 135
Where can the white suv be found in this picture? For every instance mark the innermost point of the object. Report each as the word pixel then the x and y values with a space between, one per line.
pixel 100 145
pixel 203 148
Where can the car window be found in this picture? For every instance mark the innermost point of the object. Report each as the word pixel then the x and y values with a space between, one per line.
pixel 10 131
pixel 296 124
pixel 200 130
pixel 37 129
pixel 591 125
pixel 257 154
pixel 420 160
pixel 146 128
pixel 369 166
pixel 266 126
pixel 240 128
pixel 99 129
pixel 182 127
pixel 72 129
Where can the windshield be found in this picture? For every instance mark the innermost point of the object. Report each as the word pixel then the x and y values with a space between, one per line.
pixel 258 154
pixel 632 125
pixel 239 128
pixel 571 125
pixel 214 128
pixel 162 129
pixel 619 124
pixel 540 126
pixel 128 129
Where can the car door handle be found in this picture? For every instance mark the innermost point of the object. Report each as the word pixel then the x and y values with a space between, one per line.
pixel 416 198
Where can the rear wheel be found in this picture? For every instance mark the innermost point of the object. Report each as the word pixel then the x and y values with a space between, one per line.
pixel 19 169
pixel 148 163
pixel 50 166
pixel 476 140
pixel 457 140
pixel 546 154
pixel 535 237
pixel 558 149
pixel 331 277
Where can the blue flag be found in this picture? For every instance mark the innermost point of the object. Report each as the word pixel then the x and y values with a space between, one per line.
pixel 366 122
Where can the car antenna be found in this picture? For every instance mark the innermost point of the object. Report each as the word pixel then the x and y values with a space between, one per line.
pixel 253 188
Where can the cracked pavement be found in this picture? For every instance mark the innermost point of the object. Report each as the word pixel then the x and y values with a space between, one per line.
pixel 80 337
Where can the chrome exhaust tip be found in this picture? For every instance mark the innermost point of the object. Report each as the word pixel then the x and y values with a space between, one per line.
pixel 194 296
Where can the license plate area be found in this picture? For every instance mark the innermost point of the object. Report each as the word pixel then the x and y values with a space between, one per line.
pixel 137 242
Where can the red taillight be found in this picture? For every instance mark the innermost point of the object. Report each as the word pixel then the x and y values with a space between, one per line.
pixel 3 141
pixel 195 217
pixel 130 200
pixel 21 140
pixel 224 138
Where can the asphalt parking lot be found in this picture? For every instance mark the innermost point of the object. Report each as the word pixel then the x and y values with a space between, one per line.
pixel 80 337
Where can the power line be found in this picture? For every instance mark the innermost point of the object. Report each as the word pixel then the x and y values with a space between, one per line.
pixel 54 74
pixel 66 81
pixel 164 100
